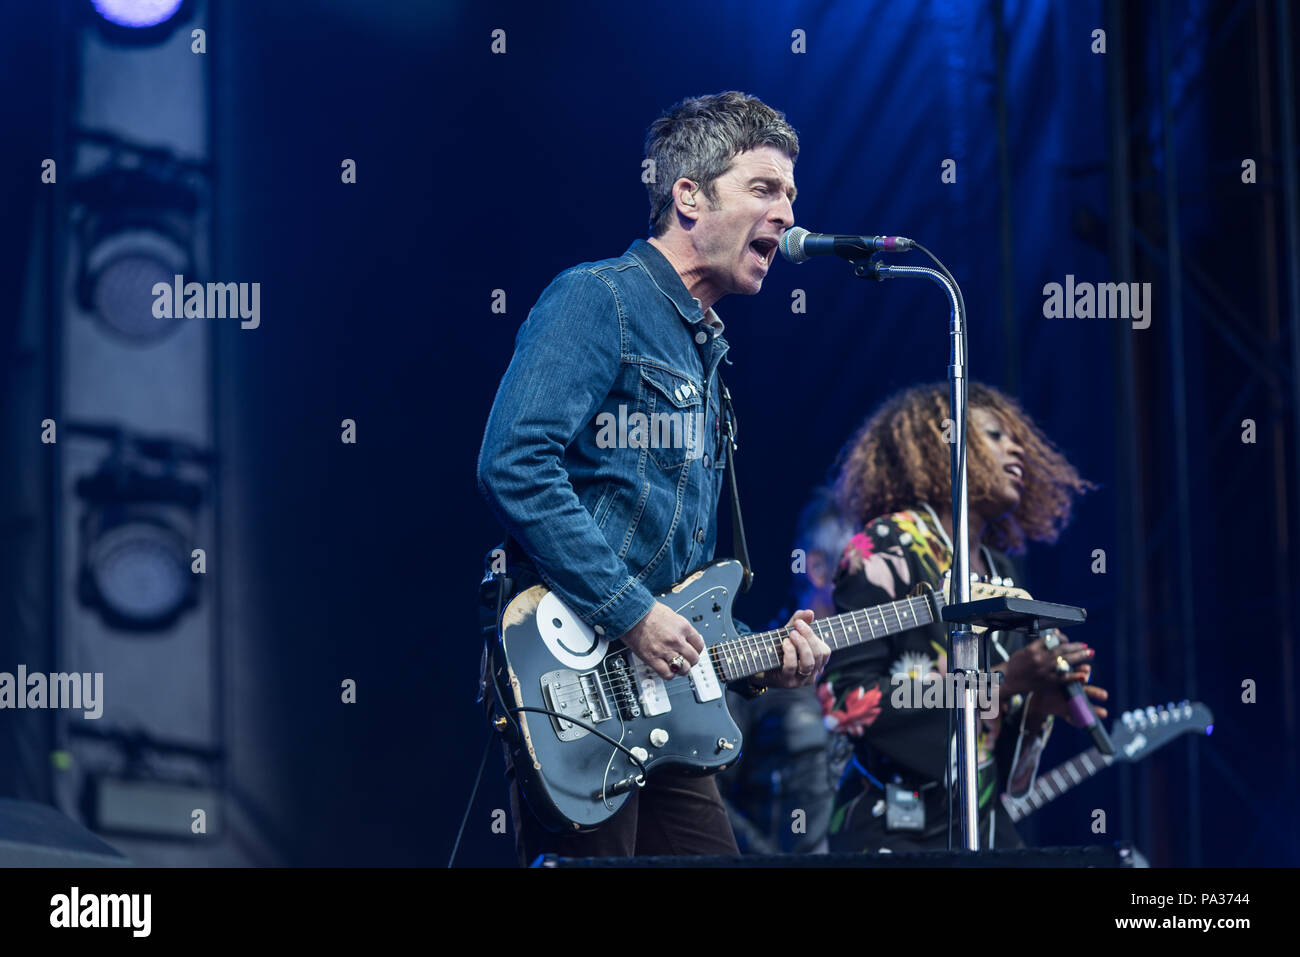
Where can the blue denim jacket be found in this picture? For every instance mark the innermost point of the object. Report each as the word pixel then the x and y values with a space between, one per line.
pixel 608 513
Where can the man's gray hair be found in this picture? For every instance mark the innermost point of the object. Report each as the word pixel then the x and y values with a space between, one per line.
pixel 700 136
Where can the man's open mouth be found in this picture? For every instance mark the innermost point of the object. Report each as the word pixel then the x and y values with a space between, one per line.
pixel 764 249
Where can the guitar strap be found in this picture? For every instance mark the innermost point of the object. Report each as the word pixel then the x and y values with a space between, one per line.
pixel 738 543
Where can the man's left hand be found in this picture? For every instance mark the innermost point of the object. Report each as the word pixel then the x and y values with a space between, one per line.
pixel 803 654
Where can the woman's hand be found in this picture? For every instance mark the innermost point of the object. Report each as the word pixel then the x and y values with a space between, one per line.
pixel 1033 667
pixel 1049 702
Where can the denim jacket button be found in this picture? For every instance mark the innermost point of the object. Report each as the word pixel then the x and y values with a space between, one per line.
pixel 701 337
pixel 699 535
pixel 706 460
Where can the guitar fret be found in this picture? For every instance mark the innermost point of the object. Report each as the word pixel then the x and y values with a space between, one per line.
pixel 1056 776
pixel 1073 773
pixel 830 627
pixel 749 654
pixel 1087 763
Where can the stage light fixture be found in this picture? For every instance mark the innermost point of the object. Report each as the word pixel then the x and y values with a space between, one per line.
pixel 139 22
pixel 137 570
pixel 137 531
pixel 135 224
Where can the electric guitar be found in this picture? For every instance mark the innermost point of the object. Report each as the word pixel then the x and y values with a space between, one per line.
pixel 586 720
pixel 1135 735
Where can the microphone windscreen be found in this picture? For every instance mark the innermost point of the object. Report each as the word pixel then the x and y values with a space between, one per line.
pixel 792 244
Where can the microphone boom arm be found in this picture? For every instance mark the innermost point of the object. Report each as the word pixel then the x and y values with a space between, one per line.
pixel 965 643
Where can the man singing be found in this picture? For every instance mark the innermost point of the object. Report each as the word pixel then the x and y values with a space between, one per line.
pixel 606 520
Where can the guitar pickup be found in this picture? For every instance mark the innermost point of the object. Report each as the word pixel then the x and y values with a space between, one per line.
pixel 651 690
pixel 704 682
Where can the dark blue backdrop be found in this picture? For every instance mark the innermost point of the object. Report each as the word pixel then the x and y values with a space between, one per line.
pixel 479 172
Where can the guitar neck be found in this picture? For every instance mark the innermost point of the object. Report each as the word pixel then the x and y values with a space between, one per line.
pixel 1056 782
pixel 751 654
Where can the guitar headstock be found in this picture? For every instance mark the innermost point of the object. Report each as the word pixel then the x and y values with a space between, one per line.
pixel 982 587
pixel 1137 733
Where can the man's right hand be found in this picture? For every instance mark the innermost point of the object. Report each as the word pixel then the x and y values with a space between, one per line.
pixel 662 635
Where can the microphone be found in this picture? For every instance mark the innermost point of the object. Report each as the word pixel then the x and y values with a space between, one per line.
pixel 1076 702
pixel 799 245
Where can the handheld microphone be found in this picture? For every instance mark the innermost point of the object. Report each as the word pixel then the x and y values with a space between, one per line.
pixel 1076 702
pixel 799 245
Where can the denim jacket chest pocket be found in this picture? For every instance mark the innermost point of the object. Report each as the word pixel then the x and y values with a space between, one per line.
pixel 674 408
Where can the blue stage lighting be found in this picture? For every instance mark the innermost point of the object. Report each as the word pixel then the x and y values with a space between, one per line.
pixel 138 23
pixel 137 13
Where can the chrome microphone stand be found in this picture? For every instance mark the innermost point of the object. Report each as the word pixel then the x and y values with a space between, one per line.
pixel 965 643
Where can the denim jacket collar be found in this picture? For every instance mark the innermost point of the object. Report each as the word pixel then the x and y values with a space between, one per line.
pixel 670 284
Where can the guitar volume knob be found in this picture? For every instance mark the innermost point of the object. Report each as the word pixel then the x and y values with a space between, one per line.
pixel 641 754
pixel 658 738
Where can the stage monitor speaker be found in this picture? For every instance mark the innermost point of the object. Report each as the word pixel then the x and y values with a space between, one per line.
pixel 1120 854
pixel 36 835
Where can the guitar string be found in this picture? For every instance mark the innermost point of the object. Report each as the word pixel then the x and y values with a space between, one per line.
pixel 751 647
pixel 755 648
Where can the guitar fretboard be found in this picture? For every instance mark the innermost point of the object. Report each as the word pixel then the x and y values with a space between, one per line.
pixel 1056 782
pixel 748 655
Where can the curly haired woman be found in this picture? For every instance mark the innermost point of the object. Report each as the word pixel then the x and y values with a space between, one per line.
pixel 894 483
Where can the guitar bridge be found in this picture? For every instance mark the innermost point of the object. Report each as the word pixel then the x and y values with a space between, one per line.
pixel 577 694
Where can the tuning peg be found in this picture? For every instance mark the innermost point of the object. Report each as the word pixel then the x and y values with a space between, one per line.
pixel 1151 714
pixel 1127 719
pixel 998 580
